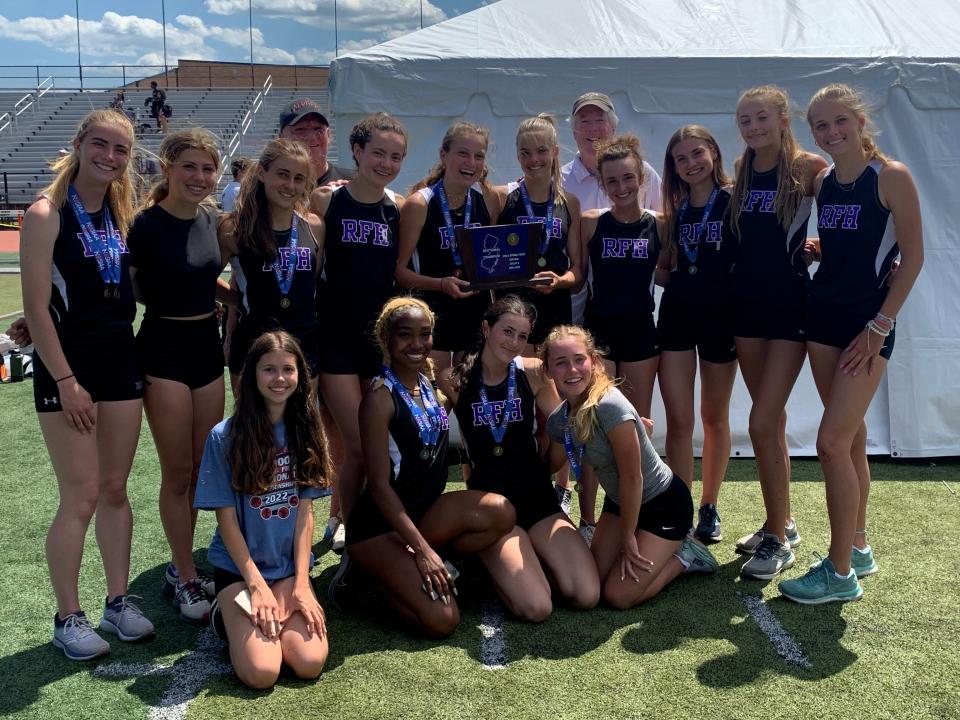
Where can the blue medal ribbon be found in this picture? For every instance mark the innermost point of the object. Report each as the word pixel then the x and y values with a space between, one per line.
pixel 499 430
pixel 430 420
pixel 106 250
pixel 528 206
pixel 451 230
pixel 692 254
pixel 574 452
pixel 285 275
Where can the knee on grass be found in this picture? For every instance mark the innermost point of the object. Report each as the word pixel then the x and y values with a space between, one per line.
pixel 258 675
pixel 439 622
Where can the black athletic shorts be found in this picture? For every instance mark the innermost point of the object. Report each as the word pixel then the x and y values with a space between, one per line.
pixel 458 321
pixel 668 515
pixel 533 500
pixel 770 320
pixel 837 326
pixel 222 579
pixel 707 328
pixel 627 338
pixel 366 521
pixel 186 351
pixel 553 309
pixel 106 367
pixel 244 336
pixel 348 350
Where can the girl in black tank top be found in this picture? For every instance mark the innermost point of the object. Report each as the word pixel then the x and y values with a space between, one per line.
pixel 404 425
pixel 275 245
pixel 455 193
pixel 624 245
pixel 539 197
pixel 695 310
pixel 84 390
pixel 362 219
pixel 497 396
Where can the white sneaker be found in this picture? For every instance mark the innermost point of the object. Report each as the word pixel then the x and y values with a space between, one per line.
pixel 339 537
pixel 191 601
pixel 587 530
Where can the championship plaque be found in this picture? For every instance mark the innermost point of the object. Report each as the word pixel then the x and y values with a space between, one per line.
pixel 501 256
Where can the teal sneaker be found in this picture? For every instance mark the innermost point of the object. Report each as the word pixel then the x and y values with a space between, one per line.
pixel 861 561
pixel 695 557
pixel 821 585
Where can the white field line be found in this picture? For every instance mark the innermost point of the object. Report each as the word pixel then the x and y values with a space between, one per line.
pixel 493 651
pixel 781 640
pixel 188 676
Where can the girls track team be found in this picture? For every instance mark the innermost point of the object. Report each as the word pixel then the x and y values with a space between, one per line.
pixel 352 294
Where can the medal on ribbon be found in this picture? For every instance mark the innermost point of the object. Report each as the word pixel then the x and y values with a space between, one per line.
pixel 548 235
pixel 430 420
pixel 284 275
pixel 106 249
pixel 448 220
pixel 698 231
pixel 498 430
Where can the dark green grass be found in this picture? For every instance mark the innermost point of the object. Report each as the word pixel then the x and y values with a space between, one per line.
pixel 10 298
pixel 692 652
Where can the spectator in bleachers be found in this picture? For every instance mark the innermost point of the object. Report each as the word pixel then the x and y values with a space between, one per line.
pixel 237 168
pixel 303 120
pixel 118 101
pixel 157 101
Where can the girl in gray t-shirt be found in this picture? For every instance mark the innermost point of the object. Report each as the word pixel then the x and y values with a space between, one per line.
pixel 647 510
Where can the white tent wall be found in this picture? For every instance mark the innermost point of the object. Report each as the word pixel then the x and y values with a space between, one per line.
pixel 476 67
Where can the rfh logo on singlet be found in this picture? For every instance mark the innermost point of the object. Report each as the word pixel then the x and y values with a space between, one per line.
pixel 281 496
pixel 842 216
pixel 625 247
pixel 366 232
pixel 88 251
pixel 690 231
pixel 555 232
pixel 760 201
pixel 303 259
pixel 480 418
pixel 445 235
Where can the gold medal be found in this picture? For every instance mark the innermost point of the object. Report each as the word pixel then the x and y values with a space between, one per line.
pixel 498 450
pixel 284 302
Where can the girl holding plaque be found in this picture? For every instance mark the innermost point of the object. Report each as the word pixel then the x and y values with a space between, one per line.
pixel 454 194
pixel 696 314
pixel 360 256
pixel 403 518
pixel 641 542
pixel 176 260
pixel 274 243
pixel 498 394
pixel 538 197
pixel 78 301
pixel 624 246
pixel 772 199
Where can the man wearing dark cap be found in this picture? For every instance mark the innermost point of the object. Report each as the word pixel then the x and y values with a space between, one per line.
pixel 303 120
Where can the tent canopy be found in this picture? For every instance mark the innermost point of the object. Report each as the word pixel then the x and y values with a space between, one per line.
pixel 673 62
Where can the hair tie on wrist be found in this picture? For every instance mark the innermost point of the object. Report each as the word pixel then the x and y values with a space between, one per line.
pixel 65 377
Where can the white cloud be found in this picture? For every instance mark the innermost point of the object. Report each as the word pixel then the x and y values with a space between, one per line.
pixel 373 16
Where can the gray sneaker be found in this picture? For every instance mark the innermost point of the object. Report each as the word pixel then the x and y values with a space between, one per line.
pixel 586 531
pixel 564 497
pixel 126 620
pixel 695 557
pixel 748 544
pixel 77 638
pixel 770 558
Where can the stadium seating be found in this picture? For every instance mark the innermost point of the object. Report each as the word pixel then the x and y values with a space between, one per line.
pixel 33 142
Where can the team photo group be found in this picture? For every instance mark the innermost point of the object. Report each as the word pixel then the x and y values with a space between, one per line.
pixel 355 341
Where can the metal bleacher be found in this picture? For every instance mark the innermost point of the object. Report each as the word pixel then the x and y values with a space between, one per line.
pixel 33 141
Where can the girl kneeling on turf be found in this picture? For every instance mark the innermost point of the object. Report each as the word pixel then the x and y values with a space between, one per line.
pixel 403 519
pixel 261 470
pixel 641 541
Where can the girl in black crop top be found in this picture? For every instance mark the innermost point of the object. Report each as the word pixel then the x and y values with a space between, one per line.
pixel 73 261
pixel 176 260
pixel 404 424
pixel 497 398
pixel 362 219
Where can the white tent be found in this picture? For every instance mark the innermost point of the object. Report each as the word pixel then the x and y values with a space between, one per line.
pixel 673 62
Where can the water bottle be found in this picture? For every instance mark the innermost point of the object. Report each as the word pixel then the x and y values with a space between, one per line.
pixel 16 366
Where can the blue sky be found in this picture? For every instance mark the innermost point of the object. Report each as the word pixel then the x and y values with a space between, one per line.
pixel 131 32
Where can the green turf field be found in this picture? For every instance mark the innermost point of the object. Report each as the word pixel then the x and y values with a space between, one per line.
pixel 10 300
pixel 693 652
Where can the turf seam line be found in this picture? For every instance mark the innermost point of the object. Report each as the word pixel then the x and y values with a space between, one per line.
pixel 189 675
pixel 783 643
pixel 493 651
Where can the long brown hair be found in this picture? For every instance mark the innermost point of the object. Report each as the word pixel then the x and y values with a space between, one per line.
pixel 121 193
pixel 846 95
pixel 253 449
pixel 457 130
pixel 584 421
pixel 468 371
pixel 172 147
pixel 674 191
pixel 252 224
pixel 790 167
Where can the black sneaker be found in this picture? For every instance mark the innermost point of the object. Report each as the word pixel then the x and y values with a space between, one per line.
pixel 708 524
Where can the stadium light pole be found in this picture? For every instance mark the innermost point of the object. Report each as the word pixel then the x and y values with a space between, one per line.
pixel 163 22
pixel 79 64
pixel 252 77
pixel 421 14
